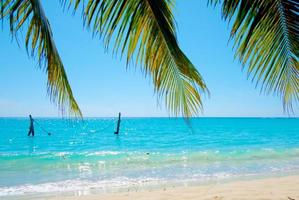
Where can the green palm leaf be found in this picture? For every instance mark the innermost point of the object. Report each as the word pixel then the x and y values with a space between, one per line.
pixel 144 30
pixel 266 34
pixel 40 39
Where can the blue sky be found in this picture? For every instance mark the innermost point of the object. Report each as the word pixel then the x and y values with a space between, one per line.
pixel 103 86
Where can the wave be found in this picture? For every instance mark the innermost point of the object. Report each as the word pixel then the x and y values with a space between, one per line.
pixel 76 185
pixel 192 156
pixel 102 163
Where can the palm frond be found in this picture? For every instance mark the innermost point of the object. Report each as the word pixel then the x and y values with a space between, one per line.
pixel 39 41
pixel 144 30
pixel 266 34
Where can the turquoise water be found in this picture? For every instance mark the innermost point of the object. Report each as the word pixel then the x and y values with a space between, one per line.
pixel 87 155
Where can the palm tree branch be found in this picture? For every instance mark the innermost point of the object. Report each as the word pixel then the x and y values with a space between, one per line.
pixel 42 44
pixel 266 34
pixel 144 30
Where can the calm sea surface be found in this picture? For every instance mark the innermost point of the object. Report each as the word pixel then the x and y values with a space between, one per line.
pixel 86 155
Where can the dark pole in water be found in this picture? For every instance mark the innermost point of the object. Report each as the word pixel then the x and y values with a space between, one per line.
pixel 118 124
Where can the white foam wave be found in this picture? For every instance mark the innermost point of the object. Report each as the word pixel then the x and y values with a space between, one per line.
pixel 76 185
pixel 104 153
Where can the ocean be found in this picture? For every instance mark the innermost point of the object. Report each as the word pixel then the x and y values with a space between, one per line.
pixel 85 156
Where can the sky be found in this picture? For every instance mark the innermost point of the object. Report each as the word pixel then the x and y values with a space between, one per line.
pixel 102 84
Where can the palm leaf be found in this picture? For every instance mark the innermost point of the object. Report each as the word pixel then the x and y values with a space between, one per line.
pixel 144 30
pixel 39 39
pixel 266 34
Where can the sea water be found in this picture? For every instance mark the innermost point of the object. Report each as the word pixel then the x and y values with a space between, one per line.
pixel 85 155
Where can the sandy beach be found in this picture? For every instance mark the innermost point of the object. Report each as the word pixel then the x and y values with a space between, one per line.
pixel 278 188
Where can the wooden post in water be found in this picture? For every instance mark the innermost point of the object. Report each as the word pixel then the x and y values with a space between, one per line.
pixel 118 124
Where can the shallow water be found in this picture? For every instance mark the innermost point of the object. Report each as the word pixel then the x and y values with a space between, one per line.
pixel 84 155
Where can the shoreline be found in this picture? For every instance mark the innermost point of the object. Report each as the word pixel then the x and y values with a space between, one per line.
pixel 280 186
pixel 285 187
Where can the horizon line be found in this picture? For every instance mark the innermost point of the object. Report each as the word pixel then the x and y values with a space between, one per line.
pixel 171 117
